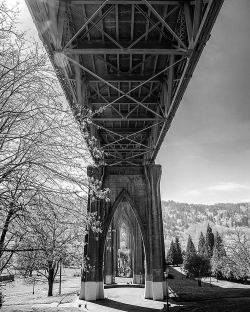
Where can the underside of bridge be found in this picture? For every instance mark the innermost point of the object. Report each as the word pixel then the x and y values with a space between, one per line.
pixel 124 66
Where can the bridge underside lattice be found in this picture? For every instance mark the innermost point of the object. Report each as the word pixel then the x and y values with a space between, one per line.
pixel 124 65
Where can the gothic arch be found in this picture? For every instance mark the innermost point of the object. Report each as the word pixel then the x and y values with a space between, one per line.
pixel 124 196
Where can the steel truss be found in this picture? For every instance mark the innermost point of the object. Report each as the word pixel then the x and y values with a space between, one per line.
pixel 128 86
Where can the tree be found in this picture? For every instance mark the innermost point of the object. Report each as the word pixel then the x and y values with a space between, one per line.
pixel 190 249
pixel 218 258
pixel 124 262
pixel 171 253
pixel 209 241
pixel 198 266
pixel 58 227
pixel 237 260
pixel 178 259
pixel 43 156
pixel 202 245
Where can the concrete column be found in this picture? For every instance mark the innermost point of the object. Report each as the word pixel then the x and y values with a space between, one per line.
pixel 108 259
pixel 139 187
pixel 92 287
pixel 114 250
pixel 155 284
pixel 138 276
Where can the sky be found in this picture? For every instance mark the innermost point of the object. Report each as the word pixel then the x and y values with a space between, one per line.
pixel 205 156
pixel 206 153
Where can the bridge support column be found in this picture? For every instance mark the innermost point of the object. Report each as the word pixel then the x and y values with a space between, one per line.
pixel 140 188
pixel 155 285
pixel 110 257
pixel 138 257
pixel 92 286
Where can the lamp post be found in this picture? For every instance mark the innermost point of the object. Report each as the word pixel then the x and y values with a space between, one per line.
pixel 166 308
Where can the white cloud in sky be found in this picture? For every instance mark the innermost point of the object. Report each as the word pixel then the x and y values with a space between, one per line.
pixel 228 186
pixel 192 192
pixel 220 187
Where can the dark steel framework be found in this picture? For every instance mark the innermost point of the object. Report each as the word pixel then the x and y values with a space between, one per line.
pixel 124 65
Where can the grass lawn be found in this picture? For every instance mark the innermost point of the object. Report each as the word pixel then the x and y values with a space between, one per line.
pixel 18 295
pixel 188 290
pixel 226 297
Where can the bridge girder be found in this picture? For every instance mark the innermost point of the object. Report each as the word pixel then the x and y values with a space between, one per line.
pixel 125 65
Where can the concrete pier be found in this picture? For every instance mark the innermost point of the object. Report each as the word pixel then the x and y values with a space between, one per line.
pixel 139 189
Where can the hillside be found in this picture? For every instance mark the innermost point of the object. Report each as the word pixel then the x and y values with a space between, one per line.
pixel 181 219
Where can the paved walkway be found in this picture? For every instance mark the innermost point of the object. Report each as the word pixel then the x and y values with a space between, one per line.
pixel 125 299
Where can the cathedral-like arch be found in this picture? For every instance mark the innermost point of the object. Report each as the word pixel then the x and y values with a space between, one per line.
pixel 140 187
pixel 124 197
pixel 123 215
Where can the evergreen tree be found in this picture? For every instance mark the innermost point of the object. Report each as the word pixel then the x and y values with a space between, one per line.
pixel 197 266
pixel 218 259
pixel 219 249
pixel 202 245
pixel 209 241
pixel 171 253
pixel 178 259
pixel 190 250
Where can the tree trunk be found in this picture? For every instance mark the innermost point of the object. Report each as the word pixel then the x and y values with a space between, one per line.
pixel 199 282
pixel 50 281
pixel 5 228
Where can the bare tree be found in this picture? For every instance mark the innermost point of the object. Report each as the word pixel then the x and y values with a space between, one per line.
pixel 237 260
pixel 57 226
pixel 43 156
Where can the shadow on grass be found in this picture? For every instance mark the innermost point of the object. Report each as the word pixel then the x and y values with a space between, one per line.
pixel 120 306
pixel 215 305
pixel 123 286
pixel 185 289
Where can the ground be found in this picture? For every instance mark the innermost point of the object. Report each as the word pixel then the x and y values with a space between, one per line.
pixel 186 296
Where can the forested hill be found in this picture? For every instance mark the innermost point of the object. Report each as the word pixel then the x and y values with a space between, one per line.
pixel 182 219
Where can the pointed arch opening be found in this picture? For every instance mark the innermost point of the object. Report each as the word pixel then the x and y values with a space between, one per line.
pixel 124 250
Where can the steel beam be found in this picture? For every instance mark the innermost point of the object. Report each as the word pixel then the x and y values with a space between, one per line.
pixel 135 133
pixel 104 119
pixel 122 92
pixel 197 17
pixel 149 20
pixel 125 150
pixel 152 9
pixel 111 50
pixel 127 137
pixel 170 85
pixel 124 78
pixel 86 23
pixel 124 103
pixel 94 24
pixel 104 33
pixel 152 28
pixel 189 23
pixel 143 100
pixel 155 2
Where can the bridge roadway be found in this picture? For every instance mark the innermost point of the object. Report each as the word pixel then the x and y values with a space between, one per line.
pixel 124 66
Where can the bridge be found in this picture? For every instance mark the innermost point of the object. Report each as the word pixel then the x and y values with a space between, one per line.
pixel 124 66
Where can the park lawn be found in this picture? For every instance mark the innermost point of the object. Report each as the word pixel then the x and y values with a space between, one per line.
pixel 18 294
pixel 182 289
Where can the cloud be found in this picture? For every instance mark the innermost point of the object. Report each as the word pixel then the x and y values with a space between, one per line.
pixel 228 186
pixel 192 192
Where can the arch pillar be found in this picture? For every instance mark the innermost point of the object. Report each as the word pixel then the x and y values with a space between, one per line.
pixel 139 270
pixel 155 284
pixel 110 255
pixel 140 187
